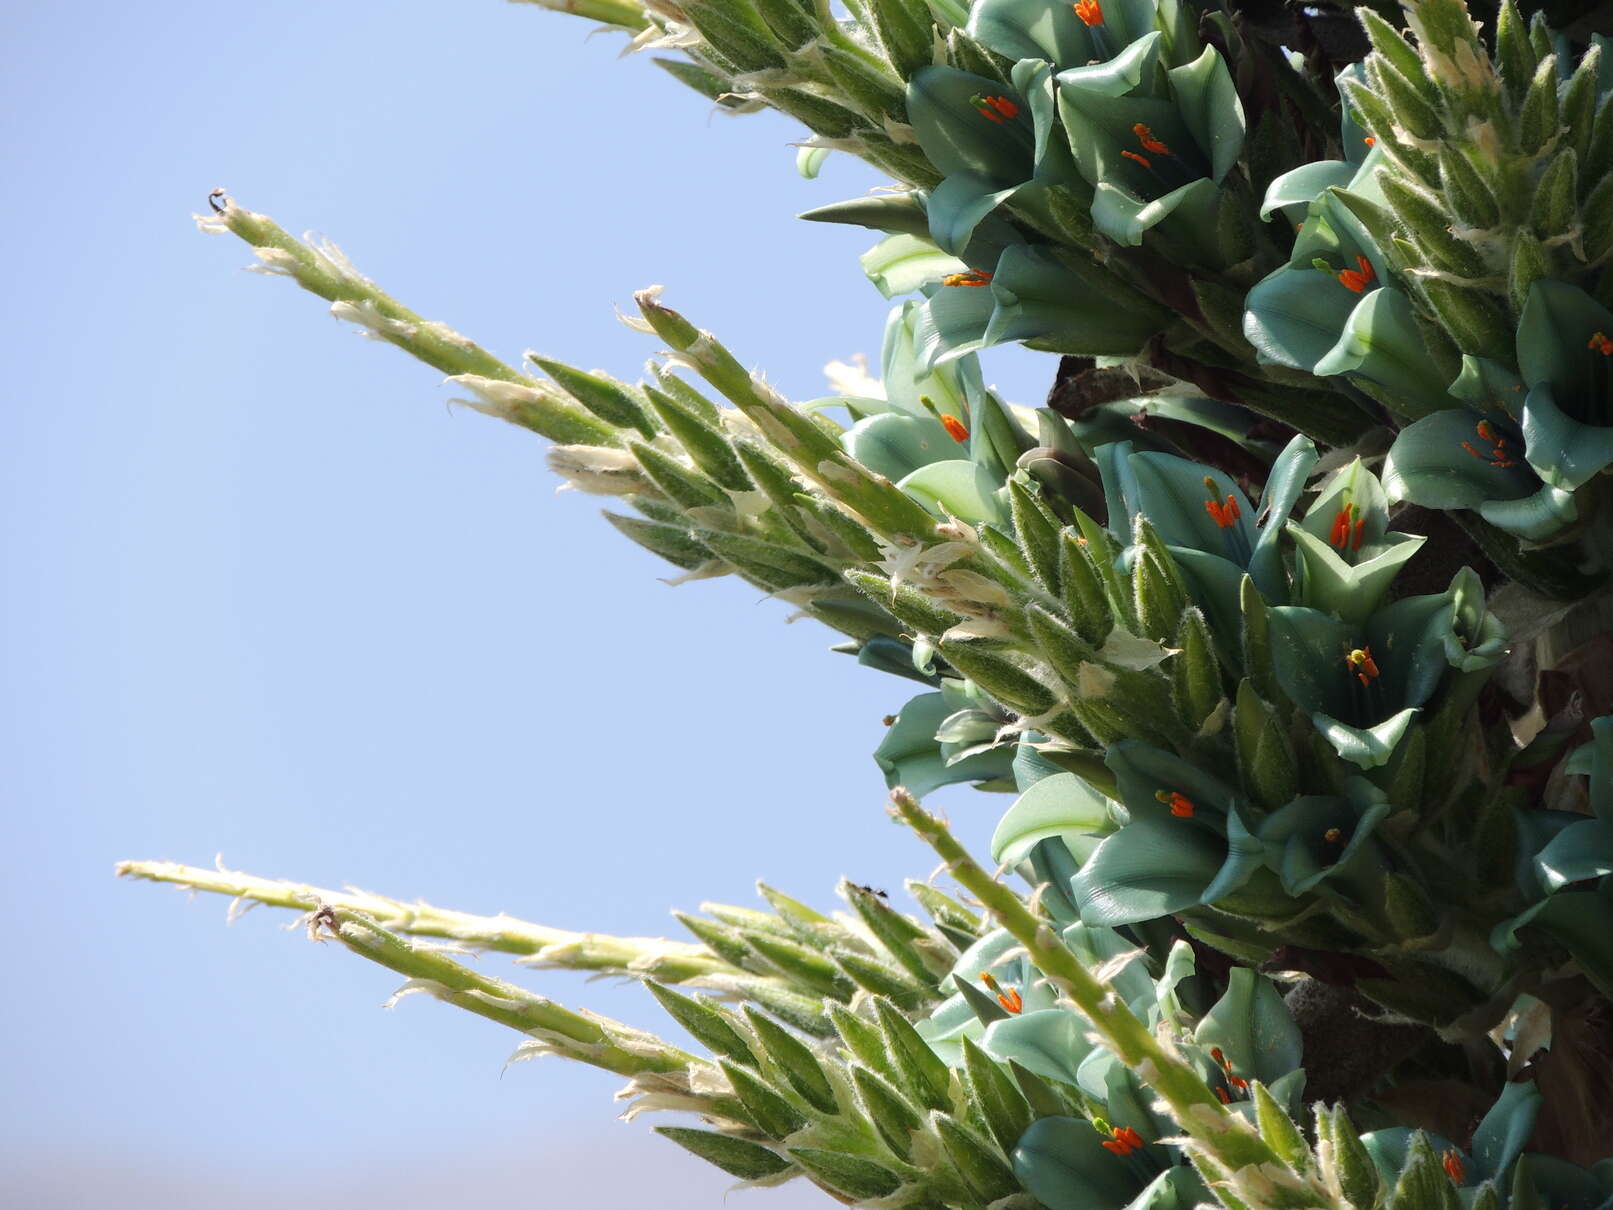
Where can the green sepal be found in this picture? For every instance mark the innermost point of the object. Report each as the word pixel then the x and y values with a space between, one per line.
pixel 905 33
pixel 850 1175
pixel 1472 317
pixel 879 978
pixel 673 543
pixel 863 1039
pixel 893 1118
pixel 1579 101
pixel 794 1059
pixel 1277 1128
pixel 1555 209
pixel 1538 120
pixel 1515 56
pixel 771 1113
pixel 1195 672
pixel 997 1099
pixel 893 213
pixel 904 601
pixel 788 21
pixel 1423 1183
pixel 776 566
pixel 903 938
pixel 606 398
pixel 1085 597
pixel 920 1072
pixel 1267 766
pixel 737 1157
pixel 1421 213
pixel 679 483
pixel 801 965
pixel 976 1161
pixel 1529 263
pixel 1255 640
pixel 1353 1168
pixel 999 675
pixel 1037 532
pixel 734 30
pixel 704 1021
pixel 870 92
pixel 1159 592
pixel 1414 111
pixel 1398 53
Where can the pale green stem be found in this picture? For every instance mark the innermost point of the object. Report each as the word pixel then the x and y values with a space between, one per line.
pixel 623 13
pixel 651 957
pixel 325 272
pixel 1221 1134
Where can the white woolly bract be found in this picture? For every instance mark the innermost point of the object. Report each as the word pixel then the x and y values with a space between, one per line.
pixel 375 325
pixel 429 987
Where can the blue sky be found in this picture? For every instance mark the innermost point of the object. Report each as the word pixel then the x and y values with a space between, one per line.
pixel 265 595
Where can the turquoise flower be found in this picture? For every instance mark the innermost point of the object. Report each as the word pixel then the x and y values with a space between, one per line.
pixel 1528 442
pixel 1155 143
pixel 1363 682
pixel 1073 35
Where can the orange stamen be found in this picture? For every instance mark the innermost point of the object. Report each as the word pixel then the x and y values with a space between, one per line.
pixel 995 109
pixel 1090 12
pixel 1343 521
pixel 1222 1093
pixel 1358 281
pixel 1224 515
pixel 971 277
pixel 1498 455
pixel 1149 142
pixel 1010 999
pixel 1333 836
pixel 955 428
pixel 1141 159
pixel 1601 343
pixel 1370 141
pixel 1451 1161
pixel 1181 805
pixel 1123 1140
pixel 1361 663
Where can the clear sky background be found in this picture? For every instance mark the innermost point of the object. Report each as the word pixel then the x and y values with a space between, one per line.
pixel 264 595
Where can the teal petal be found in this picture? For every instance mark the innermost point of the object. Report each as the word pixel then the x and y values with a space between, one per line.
pixel 910 755
pixel 956 207
pixel 1294 317
pixel 1391 1148
pixel 1580 851
pixel 896 445
pixel 1295 836
pixel 1534 518
pixel 1293 191
pixel 1171 493
pixel 1381 342
pixel 1284 485
pixel 1039 299
pixel 1308 648
pixel 1501 1136
pixel 1150 868
pixel 902 263
pixel 1430 465
pixel 1049 29
pixel 1142 771
pixel 1332 585
pixel 1125 218
pixel 1365 747
pixel 1050 1043
pixel 1564 453
pixel 1554 331
pixel 1252 1027
pixel 957 137
pixel 1488 385
pixel 1214 114
pixel 1062 1163
pixel 1094 946
pixel 956 488
pixel 949 324
pixel 1051 807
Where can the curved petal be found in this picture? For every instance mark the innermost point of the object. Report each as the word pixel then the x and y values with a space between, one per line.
pixel 1557 322
pixel 1062 1163
pixel 957 137
pixel 895 445
pixel 1125 218
pixel 957 488
pixel 1298 187
pixel 1381 342
pixel 1209 102
pixel 1433 463
pixel 1146 870
pixel 1051 807
pixel 1564 452
pixel 1294 317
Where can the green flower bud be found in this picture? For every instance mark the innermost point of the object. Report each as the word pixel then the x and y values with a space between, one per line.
pixel 737 1157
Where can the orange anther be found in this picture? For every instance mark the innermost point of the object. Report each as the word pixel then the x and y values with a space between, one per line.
pixel 1451 1161
pixel 1140 159
pixel 1333 836
pixel 1222 1093
pixel 1361 663
pixel 995 109
pixel 1343 520
pixel 1600 343
pixel 1180 804
pixel 1370 141
pixel 1009 998
pixel 970 277
pixel 955 428
pixel 1123 1140
pixel 1148 141
pixel 1358 280
pixel 1090 11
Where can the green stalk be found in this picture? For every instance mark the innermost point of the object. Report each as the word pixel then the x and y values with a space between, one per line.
pixel 650 957
pixel 1217 1134
pixel 623 13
